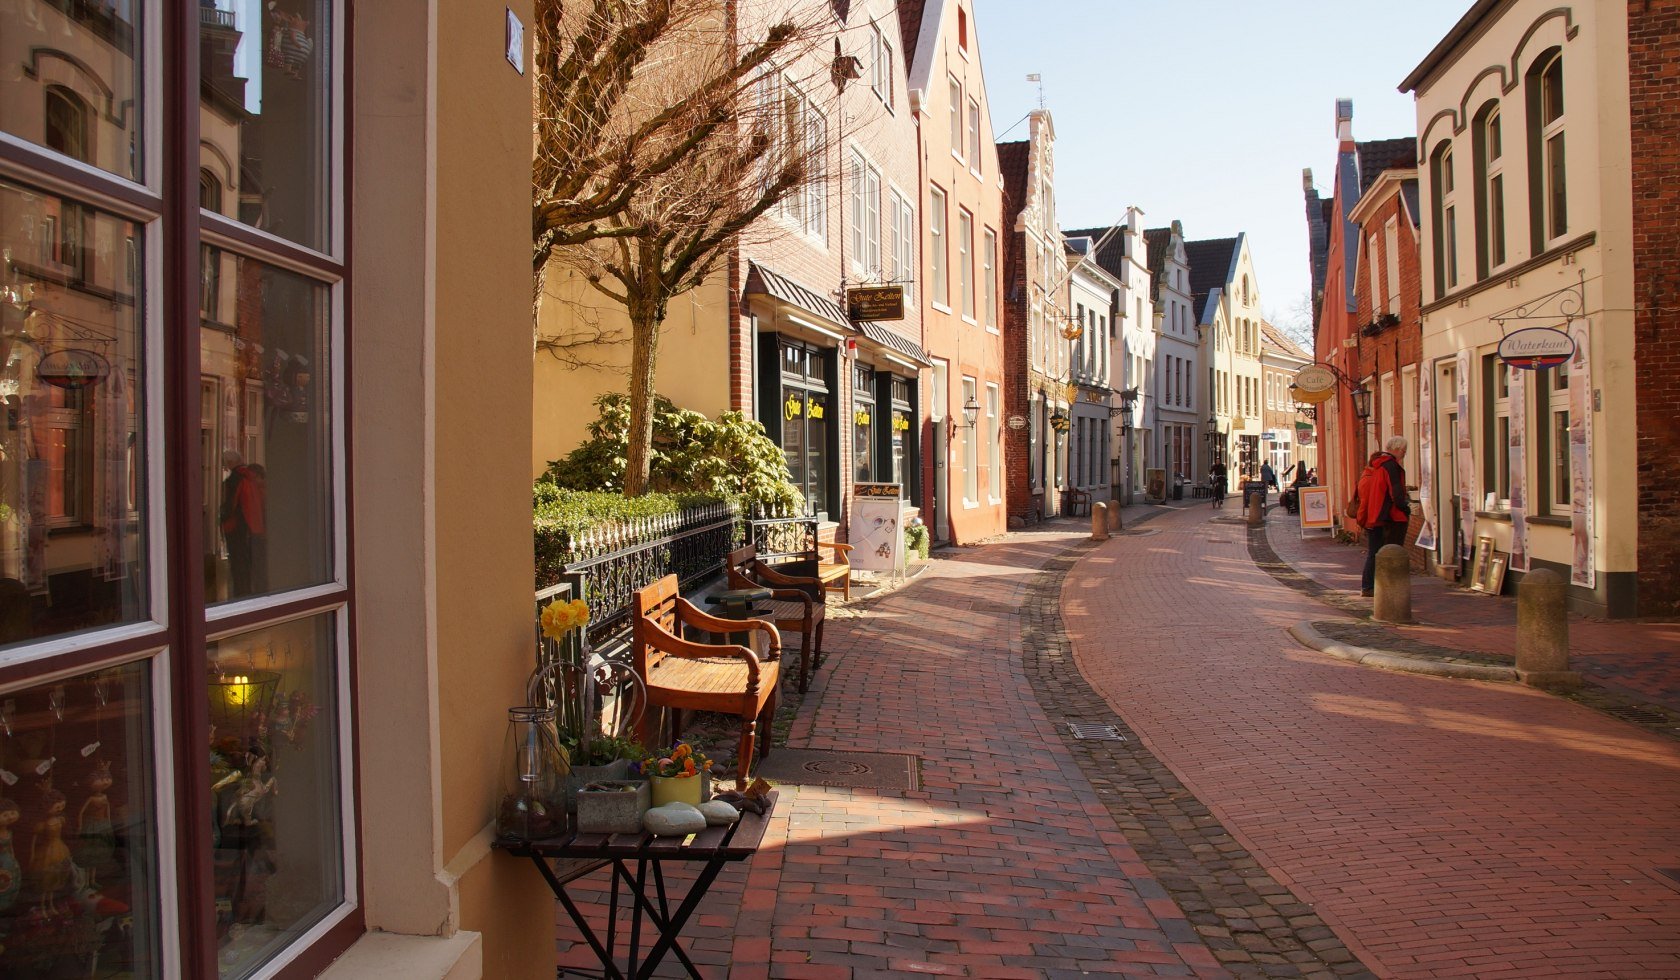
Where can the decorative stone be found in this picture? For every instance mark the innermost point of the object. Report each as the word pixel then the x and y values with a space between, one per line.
pixel 719 813
pixel 673 820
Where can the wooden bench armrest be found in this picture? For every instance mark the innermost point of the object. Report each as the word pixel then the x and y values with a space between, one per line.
pixel 676 646
pixel 772 578
pixel 840 550
pixel 793 594
pixel 689 615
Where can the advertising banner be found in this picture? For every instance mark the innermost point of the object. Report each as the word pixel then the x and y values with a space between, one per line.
pixel 1518 391
pixel 1581 569
pixel 1315 509
pixel 1426 457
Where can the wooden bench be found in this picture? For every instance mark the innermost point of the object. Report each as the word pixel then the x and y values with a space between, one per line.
pixel 837 571
pixel 796 604
pixel 681 675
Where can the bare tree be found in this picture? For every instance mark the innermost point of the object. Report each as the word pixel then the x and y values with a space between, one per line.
pixel 659 140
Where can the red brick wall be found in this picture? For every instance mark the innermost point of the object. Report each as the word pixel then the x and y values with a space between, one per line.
pixel 1654 102
pixel 1396 347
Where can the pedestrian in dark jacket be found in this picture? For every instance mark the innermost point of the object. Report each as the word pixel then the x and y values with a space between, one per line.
pixel 1384 506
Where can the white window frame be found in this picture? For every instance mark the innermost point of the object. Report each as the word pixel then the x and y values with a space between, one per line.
pixel 989 274
pixel 1493 143
pixel 866 217
pixel 880 71
pixel 970 460
pixel 965 262
pixel 1553 131
pixel 1559 476
pixel 903 216
pixel 974 136
pixel 955 117
pixel 938 251
pixel 1391 265
pixel 994 443
pixel 1449 219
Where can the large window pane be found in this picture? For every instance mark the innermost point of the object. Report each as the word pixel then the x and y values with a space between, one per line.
pixel 78 838
pixel 72 533
pixel 265 113
pixel 265 425
pixel 276 828
pixel 71 79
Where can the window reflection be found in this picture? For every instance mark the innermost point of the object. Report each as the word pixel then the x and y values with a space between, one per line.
pixel 71 535
pixel 264 114
pixel 264 430
pixel 70 83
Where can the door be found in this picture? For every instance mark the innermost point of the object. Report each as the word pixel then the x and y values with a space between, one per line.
pixel 941 482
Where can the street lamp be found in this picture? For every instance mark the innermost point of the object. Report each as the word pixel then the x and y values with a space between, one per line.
pixel 1361 402
pixel 971 411
pixel 1126 416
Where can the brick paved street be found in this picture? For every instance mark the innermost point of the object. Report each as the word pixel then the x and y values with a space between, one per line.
pixel 1445 828
pixel 1642 659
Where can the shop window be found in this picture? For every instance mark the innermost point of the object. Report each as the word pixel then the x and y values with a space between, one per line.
pixel 863 424
pixel 937 256
pixel 1548 186
pixel 1035 443
pixel 1552 397
pixel 902 439
pixel 79 862
pixel 1496 413
pixel 806 407
pixel 971 467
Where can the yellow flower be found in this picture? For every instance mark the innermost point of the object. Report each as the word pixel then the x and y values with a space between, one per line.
pixel 560 618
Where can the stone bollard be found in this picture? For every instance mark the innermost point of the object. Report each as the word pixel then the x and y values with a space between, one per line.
pixel 1256 510
pixel 1099 521
pixel 1391 600
pixel 1114 523
pixel 1543 631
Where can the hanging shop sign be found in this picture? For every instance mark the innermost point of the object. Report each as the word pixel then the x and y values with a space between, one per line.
pixel 72 367
pixel 1017 422
pixel 1314 384
pixel 889 491
pixel 875 303
pixel 1532 348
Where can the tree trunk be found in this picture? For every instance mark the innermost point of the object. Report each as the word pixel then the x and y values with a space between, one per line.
pixel 645 323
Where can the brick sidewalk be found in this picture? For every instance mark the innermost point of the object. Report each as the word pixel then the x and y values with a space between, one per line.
pixel 1005 863
pixel 1444 828
pixel 1639 658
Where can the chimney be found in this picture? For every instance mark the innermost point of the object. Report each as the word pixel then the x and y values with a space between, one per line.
pixel 1344 120
pixel 1306 179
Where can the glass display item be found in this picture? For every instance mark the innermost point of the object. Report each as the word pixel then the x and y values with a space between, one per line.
pixel 533 804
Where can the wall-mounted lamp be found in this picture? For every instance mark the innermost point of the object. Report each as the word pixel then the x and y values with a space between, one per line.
pixel 1361 402
pixel 971 411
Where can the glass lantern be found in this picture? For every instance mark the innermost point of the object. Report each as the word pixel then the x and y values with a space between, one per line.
pixel 533 805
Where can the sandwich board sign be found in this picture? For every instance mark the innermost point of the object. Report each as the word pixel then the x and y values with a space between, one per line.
pixel 877 527
pixel 1315 509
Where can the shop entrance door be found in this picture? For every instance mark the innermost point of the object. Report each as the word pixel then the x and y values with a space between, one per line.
pixel 941 482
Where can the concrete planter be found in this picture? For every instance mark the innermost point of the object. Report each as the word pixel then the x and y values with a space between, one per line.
pixel 614 808
pixel 581 776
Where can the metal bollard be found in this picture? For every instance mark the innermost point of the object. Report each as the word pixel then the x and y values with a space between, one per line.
pixel 1543 631
pixel 1114 522
pixel 1391 600
pixel 1099 521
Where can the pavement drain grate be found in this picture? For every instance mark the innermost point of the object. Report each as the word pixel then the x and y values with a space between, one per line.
pixel 1095 733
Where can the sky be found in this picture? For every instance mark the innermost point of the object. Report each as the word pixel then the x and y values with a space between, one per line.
pixel 1206 110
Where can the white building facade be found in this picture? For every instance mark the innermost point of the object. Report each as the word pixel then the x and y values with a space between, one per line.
pixel 1179 410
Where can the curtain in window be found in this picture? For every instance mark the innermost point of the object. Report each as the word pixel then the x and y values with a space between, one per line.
pixel 1426 457
pixel 1581 571
pixel 1519 469
pixel 1466 462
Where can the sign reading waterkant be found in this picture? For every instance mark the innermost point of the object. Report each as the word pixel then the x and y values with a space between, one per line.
pixel 1536 347
pixel 875 303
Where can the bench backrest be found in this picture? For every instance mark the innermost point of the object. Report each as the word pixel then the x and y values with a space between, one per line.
pixel 652 608
pixel 744 564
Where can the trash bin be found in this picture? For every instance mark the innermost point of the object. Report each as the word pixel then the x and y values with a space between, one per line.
pixel 1178 490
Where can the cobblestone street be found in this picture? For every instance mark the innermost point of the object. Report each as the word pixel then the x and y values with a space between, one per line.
pixel 1270 812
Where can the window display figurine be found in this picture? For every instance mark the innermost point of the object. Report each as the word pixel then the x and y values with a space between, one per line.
pixel 252 790
pixel 49 857
pixel 11 875
pixel 95 835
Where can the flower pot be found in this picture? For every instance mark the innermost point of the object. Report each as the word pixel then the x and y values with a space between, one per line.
pixel 692 790
pixel 616 807
pixel 617 770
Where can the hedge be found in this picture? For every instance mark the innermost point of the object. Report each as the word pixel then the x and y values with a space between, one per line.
pixel 559 516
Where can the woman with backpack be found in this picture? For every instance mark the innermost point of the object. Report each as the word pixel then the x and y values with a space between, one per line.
pixel 1381 506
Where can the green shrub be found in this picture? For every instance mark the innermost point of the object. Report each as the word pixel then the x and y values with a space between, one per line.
pixel 917 539
pixel 560 516
pixel 729 457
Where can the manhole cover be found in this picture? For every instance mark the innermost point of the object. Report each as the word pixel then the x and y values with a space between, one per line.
pixel 836 767
pixel 1097 733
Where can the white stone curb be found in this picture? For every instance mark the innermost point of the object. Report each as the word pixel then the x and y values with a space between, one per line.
pixel 1307 636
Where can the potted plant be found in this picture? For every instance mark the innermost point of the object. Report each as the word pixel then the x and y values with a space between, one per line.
pixel 677 775
pixel 572 684
pixel 606 758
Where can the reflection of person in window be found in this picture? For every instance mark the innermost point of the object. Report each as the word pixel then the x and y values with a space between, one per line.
pixel 244 524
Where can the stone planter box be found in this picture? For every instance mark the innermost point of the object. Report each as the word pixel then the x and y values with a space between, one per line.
pixel 581 776
pixel 616 807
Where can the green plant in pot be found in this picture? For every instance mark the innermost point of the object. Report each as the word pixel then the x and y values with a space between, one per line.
pixel 594 742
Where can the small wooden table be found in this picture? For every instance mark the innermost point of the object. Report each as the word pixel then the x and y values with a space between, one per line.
pixel 586 853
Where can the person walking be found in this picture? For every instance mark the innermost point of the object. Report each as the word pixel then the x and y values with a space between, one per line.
pixel 1268 476
pixel 1384 508
pixel 1216 478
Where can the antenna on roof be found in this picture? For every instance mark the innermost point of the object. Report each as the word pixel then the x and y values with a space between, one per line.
pixel 1038 80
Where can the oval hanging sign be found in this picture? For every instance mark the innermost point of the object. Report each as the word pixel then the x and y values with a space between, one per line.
pixel 1536 347
pixel 1315 378
pixel 72 368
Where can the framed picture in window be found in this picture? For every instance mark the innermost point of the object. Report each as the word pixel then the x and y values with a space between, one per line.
pixel 1494 582
pixel 1480 562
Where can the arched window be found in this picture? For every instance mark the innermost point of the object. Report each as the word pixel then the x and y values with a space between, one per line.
pixel 1548 192
pixel 1488 150
pixel 1245 290
pixel 209 192
pixel 1445 234
pixel 67 124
